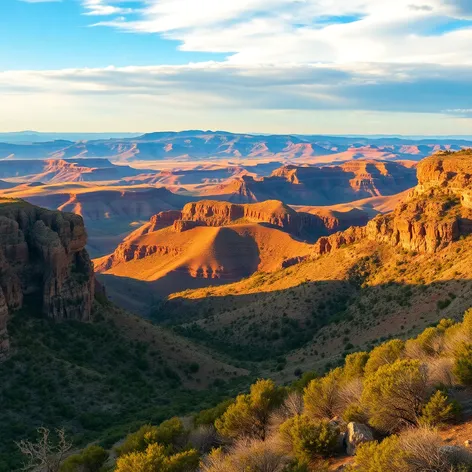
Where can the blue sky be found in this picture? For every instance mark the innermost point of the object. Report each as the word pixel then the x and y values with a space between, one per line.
pixel 57 35
pixel 299 66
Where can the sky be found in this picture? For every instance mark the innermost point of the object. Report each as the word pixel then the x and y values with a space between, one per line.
pixel 278 66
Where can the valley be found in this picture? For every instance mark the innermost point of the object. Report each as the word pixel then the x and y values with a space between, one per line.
pixel 291 295
pixel 209 277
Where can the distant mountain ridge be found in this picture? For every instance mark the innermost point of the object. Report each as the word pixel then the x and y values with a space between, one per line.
pixel 195 144
pixel 65 170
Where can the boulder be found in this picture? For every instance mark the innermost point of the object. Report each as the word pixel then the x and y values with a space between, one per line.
pixel 356 434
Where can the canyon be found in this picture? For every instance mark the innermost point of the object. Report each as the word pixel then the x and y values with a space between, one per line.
pixel 328 185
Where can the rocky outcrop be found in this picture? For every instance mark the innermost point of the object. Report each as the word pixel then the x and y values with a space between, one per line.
pixel 180 226
pixel 327 244
pixel 329 185
pixel 164 219
pixel 357 434
pixel 126 252
pixel 216 213
pixel 436 213
pixel 447 171
pixel 43 256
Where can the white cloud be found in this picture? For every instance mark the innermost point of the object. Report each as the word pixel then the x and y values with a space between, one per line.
pixel 104 8
pixel 283 57
pixel 205 86
pixel 278 31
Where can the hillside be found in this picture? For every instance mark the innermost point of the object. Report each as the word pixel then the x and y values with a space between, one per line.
pixel 393 277
pixel 372 206
pixel 211 242
pixel 158 263
pixel 68 358
pixel 326 185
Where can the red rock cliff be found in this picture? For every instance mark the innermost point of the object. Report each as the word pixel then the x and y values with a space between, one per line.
pixel 42 255
pixel 437 212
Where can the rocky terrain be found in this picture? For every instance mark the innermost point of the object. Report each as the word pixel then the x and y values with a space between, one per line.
pixel 435 214
pixel 110 213
pixel 214 242
pixel 197 145
pixel 397 274
pixel 190 254
pixel 42 255
pixel 65 170
pixel 326 185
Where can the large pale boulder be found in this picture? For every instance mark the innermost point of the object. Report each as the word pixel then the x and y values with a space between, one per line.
pixel 356 434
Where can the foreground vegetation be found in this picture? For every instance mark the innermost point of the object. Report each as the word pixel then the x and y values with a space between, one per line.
pixel 400 394
pixel 92 380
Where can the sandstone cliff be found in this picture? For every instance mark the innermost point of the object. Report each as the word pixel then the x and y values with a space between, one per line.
pixel 216 213
pixel 43 256
pixel 436 213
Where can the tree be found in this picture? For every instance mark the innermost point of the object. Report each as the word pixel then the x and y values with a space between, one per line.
pixel 321 397
pixel 354 365
pixel 164 434
pixel 47 454
pixel 463 364
pixel 209 416
pixel 90 459
pixel 307 440
pixel 439 410
pixel 386 353
pixel 395 394
pixel 156 459
pixel 249 415
pixel 377 457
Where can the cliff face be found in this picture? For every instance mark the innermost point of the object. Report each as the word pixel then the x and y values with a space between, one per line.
pixel 437 212
pixel 42 254
pixel 216 213
pixel 328 185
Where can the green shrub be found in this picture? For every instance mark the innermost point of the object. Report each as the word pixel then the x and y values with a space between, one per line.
pixel 300 384
pixel 209 416
pixel 439 410
pixel 156 459
pixel 394 395
pixel 163 434
pixel 321 396
pixel 386 353
pixel 463 364
pixel 355 413
pixel 307 439
pixel 249 414
pixel 90 459
pixel 354 365
pixel 378 457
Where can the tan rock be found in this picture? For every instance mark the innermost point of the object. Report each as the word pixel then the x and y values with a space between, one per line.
pixel 357 434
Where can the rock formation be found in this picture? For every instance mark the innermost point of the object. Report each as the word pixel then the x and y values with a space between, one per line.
pixel 436 213
pixel 43 257
pixel 326 185
pixel 215 213
pixel 357 434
